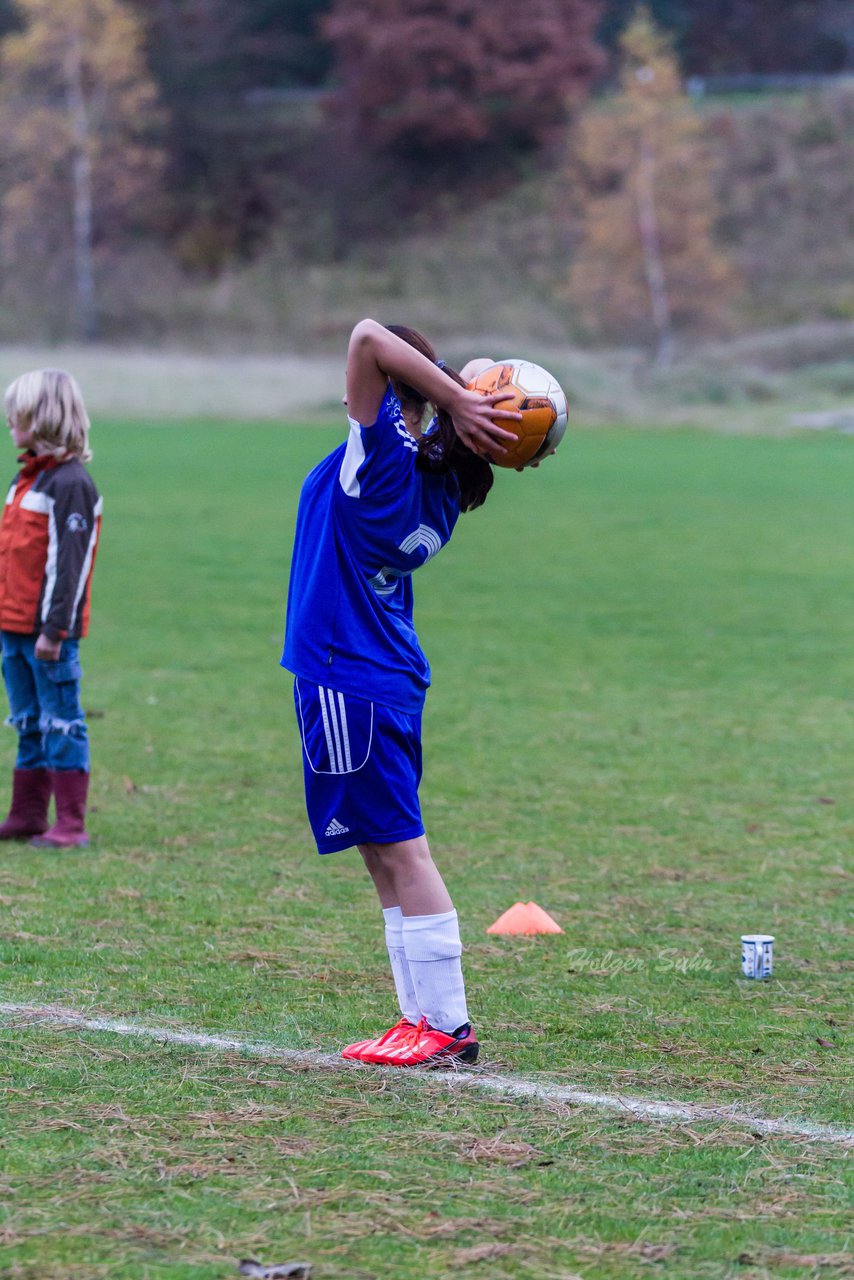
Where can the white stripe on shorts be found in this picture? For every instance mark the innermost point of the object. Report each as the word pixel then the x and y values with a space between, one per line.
pixel 339 755
pixel 336 730
pixel 344 733
pixel 330 747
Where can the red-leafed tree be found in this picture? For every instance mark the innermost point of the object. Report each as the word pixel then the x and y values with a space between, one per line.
pixel 427 76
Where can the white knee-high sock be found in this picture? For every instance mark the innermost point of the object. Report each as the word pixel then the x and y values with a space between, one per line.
pixel 433 951
pixel 403 984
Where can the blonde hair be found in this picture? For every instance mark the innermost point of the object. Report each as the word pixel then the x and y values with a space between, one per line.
pixel 48 403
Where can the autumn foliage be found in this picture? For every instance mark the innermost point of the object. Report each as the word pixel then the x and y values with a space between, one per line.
pixel 99 41
pixel 431 74
pixel 648 262
pixel 77 110
pixel 150 144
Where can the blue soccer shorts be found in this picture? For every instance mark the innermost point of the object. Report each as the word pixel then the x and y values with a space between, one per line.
pixel 362 767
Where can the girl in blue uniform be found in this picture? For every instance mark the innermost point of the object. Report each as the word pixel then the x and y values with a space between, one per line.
pixel 370 514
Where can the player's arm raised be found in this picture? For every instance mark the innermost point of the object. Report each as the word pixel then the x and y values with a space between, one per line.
pixel 375 355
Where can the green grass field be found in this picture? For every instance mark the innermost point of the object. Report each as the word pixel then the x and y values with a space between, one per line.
pixel 643 719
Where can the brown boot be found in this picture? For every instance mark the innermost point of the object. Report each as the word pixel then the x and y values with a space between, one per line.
pixel 70 788
pixel 30 800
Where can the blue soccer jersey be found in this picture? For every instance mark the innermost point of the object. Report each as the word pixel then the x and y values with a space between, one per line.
pixel 367 519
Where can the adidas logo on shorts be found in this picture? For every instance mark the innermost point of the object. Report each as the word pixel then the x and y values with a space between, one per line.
pixel 336 829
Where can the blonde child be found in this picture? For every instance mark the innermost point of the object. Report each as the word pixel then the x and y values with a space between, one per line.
pixel 48 539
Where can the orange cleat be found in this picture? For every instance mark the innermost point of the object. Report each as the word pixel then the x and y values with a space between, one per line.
pixel 427 1047
pixel 363 1050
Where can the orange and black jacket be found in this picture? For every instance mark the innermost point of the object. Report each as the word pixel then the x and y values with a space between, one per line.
pixel 48 539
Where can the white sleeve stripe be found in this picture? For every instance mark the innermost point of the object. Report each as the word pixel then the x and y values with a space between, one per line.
pixel 50 563
pixel 84 575
pixel 354 456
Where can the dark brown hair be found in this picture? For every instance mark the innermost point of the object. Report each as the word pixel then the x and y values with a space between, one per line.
pixel 441 450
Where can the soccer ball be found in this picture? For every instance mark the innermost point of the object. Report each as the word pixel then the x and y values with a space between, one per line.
pixel 538 397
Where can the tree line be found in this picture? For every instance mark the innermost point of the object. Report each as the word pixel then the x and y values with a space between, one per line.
pixel 123 118
pixel 411 88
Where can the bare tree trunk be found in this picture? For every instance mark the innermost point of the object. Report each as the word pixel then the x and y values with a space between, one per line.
pixel 81 177
pixel 651 249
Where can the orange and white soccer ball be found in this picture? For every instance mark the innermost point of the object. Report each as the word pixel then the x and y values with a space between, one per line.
pixel 539 399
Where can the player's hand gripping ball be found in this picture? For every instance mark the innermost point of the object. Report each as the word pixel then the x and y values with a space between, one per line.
pixel 539 399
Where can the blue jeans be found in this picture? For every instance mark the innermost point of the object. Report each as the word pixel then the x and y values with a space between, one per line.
pixel 44 701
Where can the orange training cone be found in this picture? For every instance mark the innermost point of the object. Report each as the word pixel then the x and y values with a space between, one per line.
pixel 527 918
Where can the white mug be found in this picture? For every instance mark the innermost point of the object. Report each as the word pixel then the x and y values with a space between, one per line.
pixel 757 955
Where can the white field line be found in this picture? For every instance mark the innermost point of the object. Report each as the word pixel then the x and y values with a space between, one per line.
pixel 502 1086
